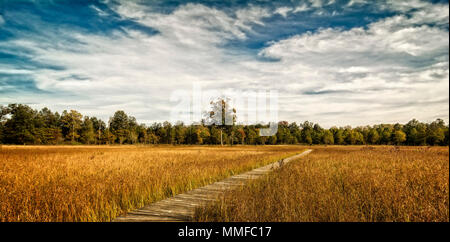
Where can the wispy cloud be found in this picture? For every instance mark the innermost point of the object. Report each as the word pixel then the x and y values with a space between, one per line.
pixel 393 69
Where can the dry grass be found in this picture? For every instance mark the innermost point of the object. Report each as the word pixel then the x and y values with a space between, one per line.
pixel 346 184
pixel 98 183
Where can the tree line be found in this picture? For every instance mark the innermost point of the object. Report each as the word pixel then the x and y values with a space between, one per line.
pixel 20 124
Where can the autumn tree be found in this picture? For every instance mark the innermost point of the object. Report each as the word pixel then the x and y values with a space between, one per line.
pixel 327 137
pixel 373 136
pixel 20 124
pixel 399 137
pixel 221 115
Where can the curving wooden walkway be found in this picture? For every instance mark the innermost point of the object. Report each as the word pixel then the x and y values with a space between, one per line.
pixel 181 207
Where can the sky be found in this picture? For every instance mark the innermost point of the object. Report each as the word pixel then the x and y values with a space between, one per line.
pixel 332 62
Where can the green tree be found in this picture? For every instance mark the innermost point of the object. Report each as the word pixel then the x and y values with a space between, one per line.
pixel 359 137
pixel 307 129
pixel 71 122
pixel 49 127
pixel 317 134
pixel 179 133
pixel 272 140
pixel 373 137
pixel 99 129
pixel 87 131
pixel 119 125
pixel 436 133
pixel 328 138
pixel 20 127
pixel 306 134
pixel 399 137
pixel 339 137
pixel 349 136
pixel 251 134
pixel 386 135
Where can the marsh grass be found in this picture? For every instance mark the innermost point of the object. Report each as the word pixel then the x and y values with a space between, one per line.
pixel 98 183
pixel 345 184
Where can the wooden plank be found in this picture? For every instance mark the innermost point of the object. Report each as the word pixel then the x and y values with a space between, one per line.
pixel 181 207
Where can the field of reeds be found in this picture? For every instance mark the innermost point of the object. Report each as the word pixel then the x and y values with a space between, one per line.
pixel 98 183
pixel 345 184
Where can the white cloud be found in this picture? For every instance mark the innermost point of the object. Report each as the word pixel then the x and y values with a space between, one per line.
pixel 99 11
pixel 250 15
pixel 356 2
pixel 394 70
pixel 316 3
pixel 301 8
pixel 283 11
pixel 378 74
pixel 406 5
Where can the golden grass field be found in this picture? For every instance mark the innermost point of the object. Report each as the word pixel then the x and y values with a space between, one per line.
pixel 98 183
pixel 345 184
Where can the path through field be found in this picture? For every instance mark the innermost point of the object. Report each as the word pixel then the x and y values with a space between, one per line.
pixel 182 206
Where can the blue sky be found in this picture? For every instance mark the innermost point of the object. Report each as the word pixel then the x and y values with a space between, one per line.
pixel 336 62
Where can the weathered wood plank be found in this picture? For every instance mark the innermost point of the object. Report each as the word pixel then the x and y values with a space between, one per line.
pixel 181 207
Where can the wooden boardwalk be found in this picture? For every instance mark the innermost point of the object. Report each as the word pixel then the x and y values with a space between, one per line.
pixel 181 207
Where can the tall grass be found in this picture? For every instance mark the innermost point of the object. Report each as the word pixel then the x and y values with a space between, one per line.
pixel 98 183
pixel 345 184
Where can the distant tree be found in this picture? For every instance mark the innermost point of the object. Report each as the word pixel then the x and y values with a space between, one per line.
pixel 215 136
pixel 328 138
pixel 143 136
pixel 3 113
pixel 349 136
pixel 71 122
pixel 48 125
pixel 386 136
pixel 272 140
pixel 283 135
pixel 169 131
pixel 307 129
pixel 119 125
pixel 87 131
pixel 251 134
pixel 339 137
pixel 317 134
pixel 196 136
pixel 108 137
pixel 306 134
pixel 373 136
pixel 295 132
pixel 446 136
pixel 399 137
pixel 240 135
pixel 421 138
pixel 180 133
pixel 410 129
pixel 221 115
pixel 20 127
pixel 359 137
pixel 99 129
pixel 20 124
pixel 261 140
pixel 436 132
pixel 204 133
